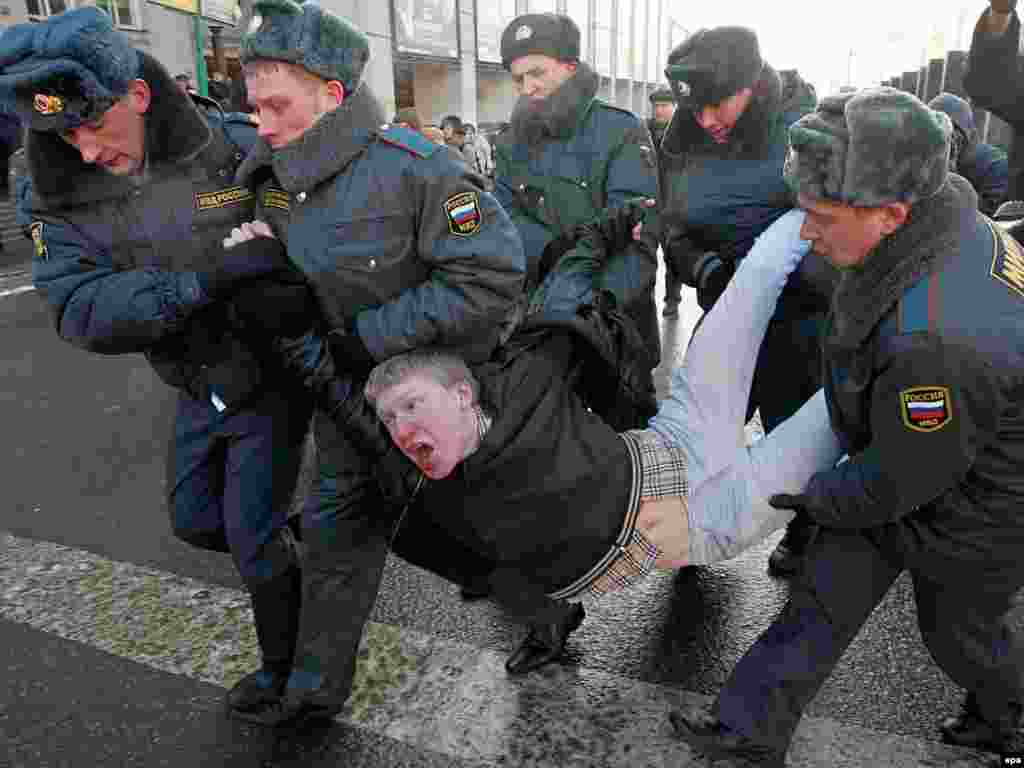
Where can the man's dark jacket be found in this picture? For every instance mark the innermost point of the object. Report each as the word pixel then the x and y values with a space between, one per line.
pixel 995 81
pixel 925 386
pixel 116 257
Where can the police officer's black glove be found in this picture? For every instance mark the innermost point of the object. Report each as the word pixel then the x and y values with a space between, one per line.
pixel 616 229
pixel 349 352
pixel 258 257
pixel 713 284
pixel 797 502
pixel 277 305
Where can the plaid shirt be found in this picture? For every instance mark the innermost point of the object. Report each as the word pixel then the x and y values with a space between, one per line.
pixel 659 471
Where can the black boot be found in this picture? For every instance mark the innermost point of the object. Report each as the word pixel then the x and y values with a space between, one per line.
pixel 545 642
pixel 971 729
pixel 276 606
pixel 788 555
pixel 714 739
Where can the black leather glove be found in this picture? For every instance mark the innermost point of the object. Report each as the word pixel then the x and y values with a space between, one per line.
pixel 349 352
pixel 276 305
pixel 616 230
pixel 254 258
pixel 797 502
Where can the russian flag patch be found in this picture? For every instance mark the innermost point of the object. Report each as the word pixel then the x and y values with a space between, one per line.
pixel 463 212
pixel 926 409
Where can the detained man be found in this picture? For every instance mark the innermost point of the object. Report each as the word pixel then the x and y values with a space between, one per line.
pixel 523 473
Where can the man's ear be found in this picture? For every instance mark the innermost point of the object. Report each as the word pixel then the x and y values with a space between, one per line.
pixel 465 394
pixel 139 96
pixel 894 216
pixel 336 92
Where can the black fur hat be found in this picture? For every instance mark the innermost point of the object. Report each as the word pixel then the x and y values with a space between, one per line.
pixel 713 64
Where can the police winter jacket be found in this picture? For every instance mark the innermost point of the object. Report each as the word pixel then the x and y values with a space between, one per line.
pixel 399 241
pixel 568 163
pixel 720 197
pixel 116 257
pixel 925 387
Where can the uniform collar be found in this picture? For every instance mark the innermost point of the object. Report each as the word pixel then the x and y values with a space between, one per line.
pixel 324 150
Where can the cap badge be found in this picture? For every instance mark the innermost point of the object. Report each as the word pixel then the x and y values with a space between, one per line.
pixel 525 32
pixel 45 104
pixel 255 23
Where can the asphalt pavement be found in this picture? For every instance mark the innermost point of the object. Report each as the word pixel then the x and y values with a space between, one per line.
pixel 117 640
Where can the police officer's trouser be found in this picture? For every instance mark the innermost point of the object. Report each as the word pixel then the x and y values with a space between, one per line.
pixel 348 528
pixel 963 621
pixel 231 479
pixel 231 476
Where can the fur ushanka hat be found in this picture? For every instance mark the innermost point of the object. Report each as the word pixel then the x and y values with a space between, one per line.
pixel 868 148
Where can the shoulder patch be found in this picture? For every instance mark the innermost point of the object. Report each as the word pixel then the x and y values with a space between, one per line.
pixel 926 409
pixel 409 140
pixel 37 240
pixel 463 214
pixel 272 197
pixel 1007 260
pixel 221 198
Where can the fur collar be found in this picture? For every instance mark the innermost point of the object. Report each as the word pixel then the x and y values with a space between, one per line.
pixel 752 134
pixel 176 132
pixel 932 231
pixel 324 150
pixel 557 116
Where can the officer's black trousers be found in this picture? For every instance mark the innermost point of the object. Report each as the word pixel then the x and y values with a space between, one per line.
pixel 231 476
pixel 963 620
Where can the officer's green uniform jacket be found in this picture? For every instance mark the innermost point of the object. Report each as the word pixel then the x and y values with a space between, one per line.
pixel 925 387
pixel 116 257
pixel 398 240
pixel 594 157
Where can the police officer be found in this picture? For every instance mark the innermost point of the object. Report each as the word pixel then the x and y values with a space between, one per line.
pixel 721 186
pixel 567 156
pixel 130 197
pixel 403 248
pixel 924 356
pixel 981 164
pixel 663 106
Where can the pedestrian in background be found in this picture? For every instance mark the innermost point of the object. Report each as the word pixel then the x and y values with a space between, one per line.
pixel 402 248
pixel 924 380
pixel 129 199
pixel 721 186
pixel 981 164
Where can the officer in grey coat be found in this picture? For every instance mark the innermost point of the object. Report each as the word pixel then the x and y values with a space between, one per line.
pixel 130 197
pixel 403 248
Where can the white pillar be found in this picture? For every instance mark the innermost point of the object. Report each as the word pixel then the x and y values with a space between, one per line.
pixel 467 46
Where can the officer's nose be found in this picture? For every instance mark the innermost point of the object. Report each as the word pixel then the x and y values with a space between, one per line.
pixel 708 118
pixel 87 146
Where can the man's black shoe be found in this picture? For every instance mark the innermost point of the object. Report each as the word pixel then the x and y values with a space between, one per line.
pixel 255 692
pixel 788 555
pixel 718 741
pixel 970 729
pixel 471 592
pixel 544 643
pixel 287 712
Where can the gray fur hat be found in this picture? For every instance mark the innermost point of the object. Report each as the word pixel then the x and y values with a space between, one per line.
pixel 306 34
pixel 868 148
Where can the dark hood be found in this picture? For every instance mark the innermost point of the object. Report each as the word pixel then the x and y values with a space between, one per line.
pixel 176 132
pixel 557 116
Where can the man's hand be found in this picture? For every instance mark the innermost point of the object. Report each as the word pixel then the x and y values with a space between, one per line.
pixel 248 231
pixel 622 226
pixel 997 20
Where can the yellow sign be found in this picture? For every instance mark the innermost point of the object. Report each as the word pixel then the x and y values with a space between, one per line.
pixel 188 6
pixel 1008 262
